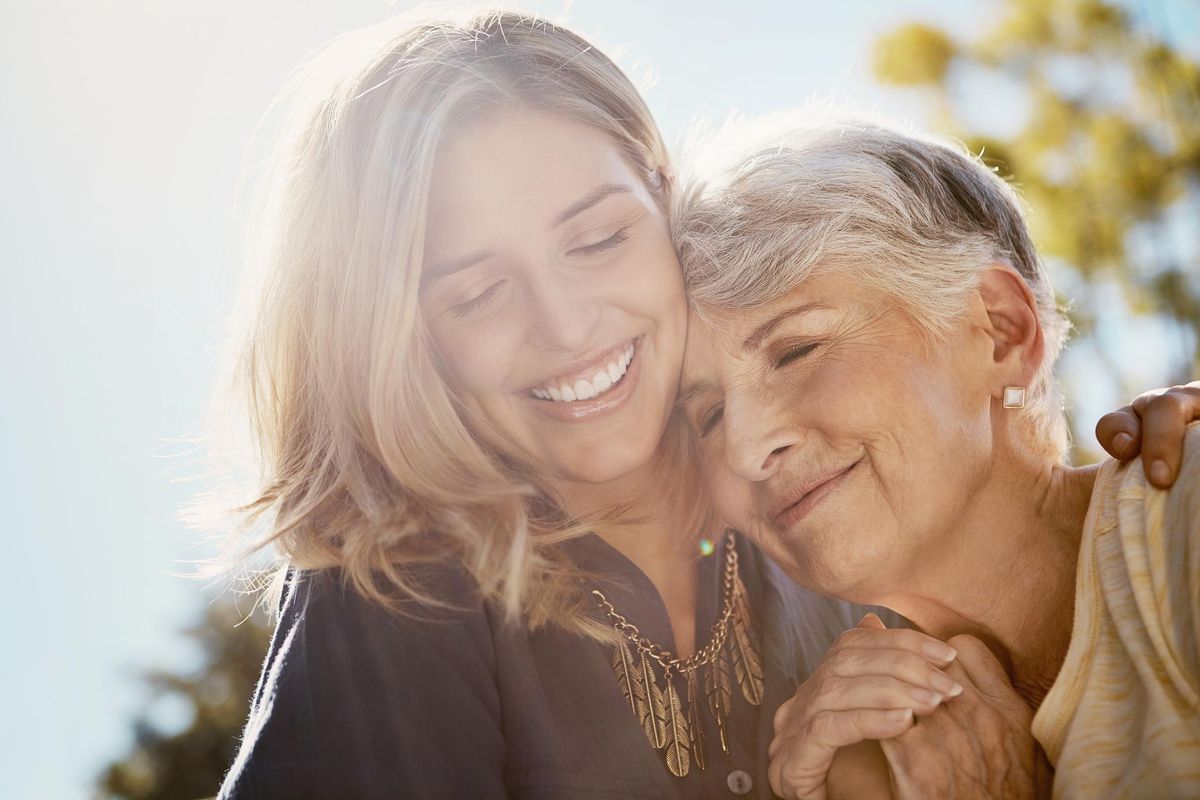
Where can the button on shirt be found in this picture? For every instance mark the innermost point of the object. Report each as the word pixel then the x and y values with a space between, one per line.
pixel 740 782
pixel 357 702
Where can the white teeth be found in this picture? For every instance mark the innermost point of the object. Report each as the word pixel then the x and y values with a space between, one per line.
pixel 584 389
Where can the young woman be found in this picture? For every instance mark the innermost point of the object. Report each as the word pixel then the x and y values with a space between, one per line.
pixel 503 578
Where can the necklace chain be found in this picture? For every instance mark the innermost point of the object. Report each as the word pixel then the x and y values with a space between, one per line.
pixel 720 630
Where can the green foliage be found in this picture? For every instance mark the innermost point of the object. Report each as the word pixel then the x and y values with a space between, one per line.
pixel 1111 146
pixel 189 764
pixel 913 55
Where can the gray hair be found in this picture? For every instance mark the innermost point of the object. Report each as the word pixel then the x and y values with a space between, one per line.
pixel 768 201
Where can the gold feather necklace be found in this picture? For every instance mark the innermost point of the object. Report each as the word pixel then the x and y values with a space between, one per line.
pixel 729 655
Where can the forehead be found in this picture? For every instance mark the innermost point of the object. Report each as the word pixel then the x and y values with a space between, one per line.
pixel 737 329
pixel 721 339
pixel 519 160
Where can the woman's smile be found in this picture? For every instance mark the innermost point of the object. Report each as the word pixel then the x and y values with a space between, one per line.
pixel 597 386
pixel 794 506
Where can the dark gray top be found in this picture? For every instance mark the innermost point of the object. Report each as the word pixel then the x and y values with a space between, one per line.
pixel 357 702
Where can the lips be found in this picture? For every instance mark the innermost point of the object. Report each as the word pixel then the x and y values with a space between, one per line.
pixel 598 404
pixel 792 506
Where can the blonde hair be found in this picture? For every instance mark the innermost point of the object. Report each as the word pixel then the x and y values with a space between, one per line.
pixel 769 201
pixel 367 462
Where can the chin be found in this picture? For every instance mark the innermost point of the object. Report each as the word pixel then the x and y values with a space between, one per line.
pixel 830 559
pixel 610 463
pixel 854 574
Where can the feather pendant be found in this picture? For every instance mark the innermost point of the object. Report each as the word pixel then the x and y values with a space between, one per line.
pixel 718 685
pixel 629 678
pixel 654 720
pixel 740 602
pixel 746 664
pixel 678 740
pixel 693 720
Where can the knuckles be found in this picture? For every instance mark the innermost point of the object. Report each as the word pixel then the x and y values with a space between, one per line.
pixel 1174 402
pixel 843 661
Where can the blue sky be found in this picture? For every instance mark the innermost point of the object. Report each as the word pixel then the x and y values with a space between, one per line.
pixel 126 125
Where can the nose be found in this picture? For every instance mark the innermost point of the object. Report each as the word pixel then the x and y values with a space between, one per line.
pixel 563 314
pixel 757 437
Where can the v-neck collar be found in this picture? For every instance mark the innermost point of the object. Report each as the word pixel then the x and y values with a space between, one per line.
pixel 635 596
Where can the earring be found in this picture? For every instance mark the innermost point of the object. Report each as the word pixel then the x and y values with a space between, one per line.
pixel 1014 396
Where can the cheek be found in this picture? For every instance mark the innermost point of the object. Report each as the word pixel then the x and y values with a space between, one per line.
pixel 927 439
pixel 653 275
pixel 478 358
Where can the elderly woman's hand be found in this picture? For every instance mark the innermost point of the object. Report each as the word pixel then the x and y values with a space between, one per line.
pixel 978 745
pixel 868 686
pixel 1153 425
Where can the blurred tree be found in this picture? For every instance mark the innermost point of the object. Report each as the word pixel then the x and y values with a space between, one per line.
pixel 1104 146
pixel 190 763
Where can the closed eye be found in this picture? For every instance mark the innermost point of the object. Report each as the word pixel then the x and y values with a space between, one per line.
pixel 795 353
pixel 478 302
pixel 710 420
pixel 615 240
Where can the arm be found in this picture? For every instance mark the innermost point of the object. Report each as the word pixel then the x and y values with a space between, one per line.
pixel 355 701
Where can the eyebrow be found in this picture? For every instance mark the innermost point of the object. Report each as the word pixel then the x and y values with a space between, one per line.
pixel 443 268
pixel 754 340
pixel 590 199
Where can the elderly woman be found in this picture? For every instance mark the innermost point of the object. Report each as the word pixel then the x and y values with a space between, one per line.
pixel 870 373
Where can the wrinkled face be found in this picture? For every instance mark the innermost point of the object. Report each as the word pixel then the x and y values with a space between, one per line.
pixel 834 435
pixel 554 295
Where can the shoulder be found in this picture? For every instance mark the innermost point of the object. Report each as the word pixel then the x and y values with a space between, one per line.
pixel 1144 543
pixel 332 633
pixel 338 639
pixel 1184 496
pixel 1123 498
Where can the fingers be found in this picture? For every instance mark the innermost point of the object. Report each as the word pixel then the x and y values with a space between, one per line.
pixel 855 662
pixel 1164 420
pixel 876 691
pixel 848 727
pixel 1120 433
pixel 871 633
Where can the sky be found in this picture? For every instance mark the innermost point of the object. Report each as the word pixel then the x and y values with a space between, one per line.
pixel 126 126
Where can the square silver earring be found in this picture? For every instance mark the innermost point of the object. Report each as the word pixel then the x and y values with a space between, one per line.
pixel 1014 396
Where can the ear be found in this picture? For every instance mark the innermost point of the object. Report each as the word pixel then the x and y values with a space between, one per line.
pixel 1013 326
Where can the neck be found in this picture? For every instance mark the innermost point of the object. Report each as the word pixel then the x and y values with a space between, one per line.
pixel 656 531
pixel 1004 571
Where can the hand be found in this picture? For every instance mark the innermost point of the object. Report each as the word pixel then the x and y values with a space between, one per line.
pixel 1153 425
pixel 869 685
pixel 978 745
